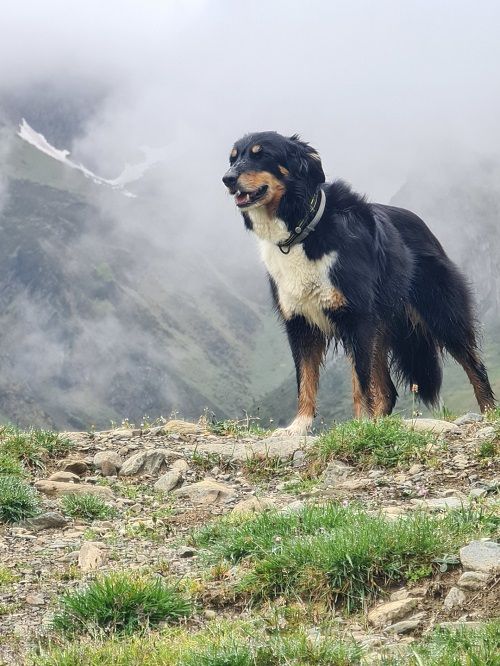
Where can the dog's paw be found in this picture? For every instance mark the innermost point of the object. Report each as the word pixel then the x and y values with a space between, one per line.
pixel 297 428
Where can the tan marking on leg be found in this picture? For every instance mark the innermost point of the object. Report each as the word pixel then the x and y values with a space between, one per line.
pixel 381 383
pixel 357 397
pixel 309 380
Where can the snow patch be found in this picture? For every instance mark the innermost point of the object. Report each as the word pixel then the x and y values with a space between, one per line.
pixel 131 172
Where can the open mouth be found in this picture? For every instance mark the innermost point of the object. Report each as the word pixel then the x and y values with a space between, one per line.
pixel 244 199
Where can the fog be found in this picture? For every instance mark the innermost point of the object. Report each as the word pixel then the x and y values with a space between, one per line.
pixel 382 89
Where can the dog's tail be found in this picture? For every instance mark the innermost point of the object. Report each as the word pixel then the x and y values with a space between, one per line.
pixel 416 360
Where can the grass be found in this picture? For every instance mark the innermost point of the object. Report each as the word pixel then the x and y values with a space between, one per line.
pixel 336 554
pixel 384 442
pixel 87 507
pixel 32 447
pixel 233 428
pixel 489 448
pixel 225 644
pixel 10 465
pixel 119 603
pixel 454 647
pixel 18 501
pixel 6 576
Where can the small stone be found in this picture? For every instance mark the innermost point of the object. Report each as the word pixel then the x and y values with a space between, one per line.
pixel 107 456
pixel 415 469
pixel 205 492
pixel 147 462
pixel 168 481
pixel 435 426
pixel 393 610
pixel 35 599
pixel 454 599
pixel 90 556
pixel 46 521
pixel 181 465
pixel 182 427
pixel 481 556
pixel 473 580
pixel 335 472
pixel 253 505
pixel 485 433
pixel 461 461
pixel 209 614
pixel 185 552
pixel 76 466
pixel 478 492
pixel 404 626
pixel 57 488
pixel 356 484
pixel 294 507
pixel 470 417
pixel 298 458
pixel 108 469
pixel 398 595
pixel 439 503
pixel 70 477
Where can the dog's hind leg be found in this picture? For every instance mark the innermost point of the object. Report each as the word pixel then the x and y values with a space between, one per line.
pixel 470 361
pixel 308 345
pixel 384 392
pixel 358 338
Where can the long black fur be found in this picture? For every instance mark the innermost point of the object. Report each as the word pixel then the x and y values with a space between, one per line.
pixel 393 272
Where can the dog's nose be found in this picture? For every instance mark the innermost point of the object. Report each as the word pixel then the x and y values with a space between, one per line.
pixel 229 179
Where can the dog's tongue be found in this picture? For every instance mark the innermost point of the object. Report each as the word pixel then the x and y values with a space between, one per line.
pixel 242 199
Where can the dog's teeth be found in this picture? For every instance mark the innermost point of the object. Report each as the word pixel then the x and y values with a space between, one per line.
pixel 238 193
pixel 247 198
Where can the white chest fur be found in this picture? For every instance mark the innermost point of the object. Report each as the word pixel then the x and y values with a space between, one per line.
pixel 304 286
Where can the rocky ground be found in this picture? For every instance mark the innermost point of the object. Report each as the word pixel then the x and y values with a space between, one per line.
pixel 166 480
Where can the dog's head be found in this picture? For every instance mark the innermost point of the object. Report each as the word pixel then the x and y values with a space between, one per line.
pixel 267 168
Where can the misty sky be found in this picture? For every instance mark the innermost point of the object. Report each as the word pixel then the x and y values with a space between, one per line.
pixel 376 86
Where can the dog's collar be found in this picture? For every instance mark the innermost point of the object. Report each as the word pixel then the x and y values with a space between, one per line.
pixel 306 225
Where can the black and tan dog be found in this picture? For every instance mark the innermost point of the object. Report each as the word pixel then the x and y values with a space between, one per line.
pixel 369 276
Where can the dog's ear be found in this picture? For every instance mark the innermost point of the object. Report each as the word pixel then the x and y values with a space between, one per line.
pixel 305 161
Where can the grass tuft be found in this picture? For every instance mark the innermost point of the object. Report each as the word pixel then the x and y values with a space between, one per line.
pixel 10 465
pixel 18 501
pixel 119 603
pixel 336 554
pixel 384 442
pixel 87 507
pixel 225 644
pixel 32 447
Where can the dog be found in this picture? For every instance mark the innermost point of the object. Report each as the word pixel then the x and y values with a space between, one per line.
pixel 371 277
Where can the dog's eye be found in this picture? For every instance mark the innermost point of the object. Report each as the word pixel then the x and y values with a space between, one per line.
pixel 256 149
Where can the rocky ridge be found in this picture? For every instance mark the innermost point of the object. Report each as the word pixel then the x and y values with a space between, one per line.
pixel 166 480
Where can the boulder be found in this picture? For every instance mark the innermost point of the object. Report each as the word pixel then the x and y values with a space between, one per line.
pixel 58 488
pixel 435 426
pixel 205 492
pixel 481 556
pixel 168 481
pixel 150 462
pixel 386 613
pixel 108 456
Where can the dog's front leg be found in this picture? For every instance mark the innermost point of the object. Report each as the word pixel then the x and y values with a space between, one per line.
pixel 308 345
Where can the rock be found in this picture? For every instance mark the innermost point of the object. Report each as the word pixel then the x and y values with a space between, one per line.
pixel 454 599
pixel 356 484
pixel 470 417
pixel 481 556
pixel 107 456
pixel 473 580
pixel 335 472
pixel 404 626
pixel 209 614
pixel 124 433
pixel 294 507
pixel 76 466
pixel 150 461
pixel 439 503
pixel 185 552
pixel 58 488
pixel 182 427
pixel 282 447
pixel 298 458
pixel 205 492
pixel 398 595
pixel 168 481
pixel 485 433
pixel 180 464
pixel 478 492
pixel 46 521
pixel 108 469
pixel 90 556
pixel 35 599
pixel 461 461
pixel 70 477
pixel 393 610
pixel 253 505
pixel 435 426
